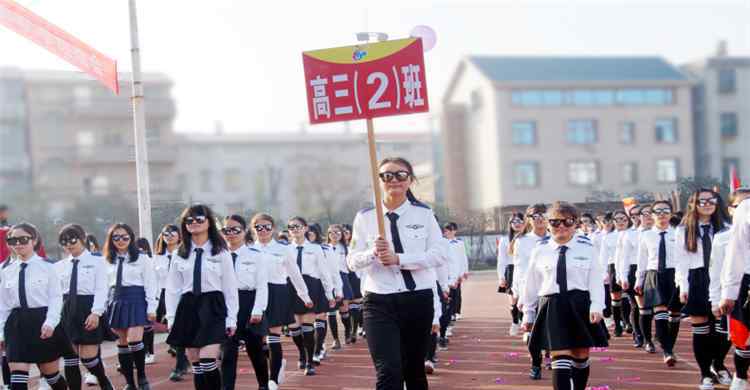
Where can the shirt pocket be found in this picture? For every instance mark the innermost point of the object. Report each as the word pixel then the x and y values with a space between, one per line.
pixel 417 238
pixel 583 265
pixel 214 267
pixel 247 267
pixel 86 277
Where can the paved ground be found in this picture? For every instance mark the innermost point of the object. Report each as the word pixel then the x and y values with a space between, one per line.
pixel 481 356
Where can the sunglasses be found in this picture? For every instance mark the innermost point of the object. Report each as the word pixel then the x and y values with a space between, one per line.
pixel 118 238
pixel 645 213
pixel 266 227
pixel 390 176
pixel 567 222
pixel 708 202
pixel 197 220
pixel 334 233
pixel 587 222
pixel 229 231
pixel 16 241
pixel 170 232
pixel 621 219
pixel 662 211
pixel 536 217
pixel 516 221
pixel 68 241
pixel 294 227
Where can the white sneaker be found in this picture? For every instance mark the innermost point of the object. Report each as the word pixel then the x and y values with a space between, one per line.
pixel 43 385
pixel 90 379
pixel 272 385
pixel 449 331
pixel 514 328
pixel 723 377
pixel 738 384
pixel 526 337
pixel 429 367
pixel 323 353
pixel 282 374
pixel 459 316
pixel 150 359
pixel 707 384
pixel 609 322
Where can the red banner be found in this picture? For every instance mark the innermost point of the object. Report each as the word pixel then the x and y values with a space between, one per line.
pixel 60 43
pixel 365 81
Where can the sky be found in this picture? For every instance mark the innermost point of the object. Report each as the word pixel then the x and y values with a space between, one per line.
pixel 239 62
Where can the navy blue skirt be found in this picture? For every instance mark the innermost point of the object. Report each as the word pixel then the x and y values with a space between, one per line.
pixel 355 283
pixel 317 295
pixel 698 303
pixel 346 286
pixel 508 275
pixel 199 320
pixel 279 310
pixel 128 308
pixel 660 289
pixel 562 322
pixel 73 321
pixel 22 341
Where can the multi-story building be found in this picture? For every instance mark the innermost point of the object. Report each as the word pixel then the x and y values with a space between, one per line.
pixel 15 157
pixel 520 130
pixel 722 114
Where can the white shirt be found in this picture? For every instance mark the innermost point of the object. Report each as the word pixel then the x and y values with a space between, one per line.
pixel 92 278
pixel 437 307
pixel 583 273
pixel 522 248
pixel 737 260
pixel 42 290
pixel 251 271
pixel 718 255
pixel 332 266
pixel 688 260
pixel 441 271
pixel 626 252
pixel 217 274
pixel 420 237
pixel 314 264
pixel 137 273
pixel 608 248
pixel 503 258
pixel 338 253
pixel 458 262
pixel 161 267
pixel 648 252
pixel 283 265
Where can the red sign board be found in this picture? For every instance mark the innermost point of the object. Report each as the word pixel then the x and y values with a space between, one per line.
pixel 365 81
pixel 59 42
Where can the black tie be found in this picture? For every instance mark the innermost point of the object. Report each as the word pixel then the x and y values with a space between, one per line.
pixel 169 263
pixel 73 288
pixel 399 248
pixel 22 286
pixel 562 272
pixel 706 241
pixel 118 283
pixel 299 257
pixel 234 260
pixel 662 252
pixel 197 272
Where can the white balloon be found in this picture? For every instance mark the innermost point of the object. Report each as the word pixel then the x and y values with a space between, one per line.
pixel 429 38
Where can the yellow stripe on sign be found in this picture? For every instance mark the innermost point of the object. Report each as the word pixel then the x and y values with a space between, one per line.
pixel 358 54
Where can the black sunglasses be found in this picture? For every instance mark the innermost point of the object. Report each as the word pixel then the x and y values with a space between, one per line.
pixel 398 175
pixel 536 216
pixel 516 221
pixel 294 226
pixel 266 227
pixel 118 238
pixel 15 241
pixel 661 211
pixel 621 219
pixel 231 230
pixel 198 219
pixel 568 222
pixel 708 202
pixel 65 241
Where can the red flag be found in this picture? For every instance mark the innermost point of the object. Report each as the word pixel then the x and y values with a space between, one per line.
pixel 734 180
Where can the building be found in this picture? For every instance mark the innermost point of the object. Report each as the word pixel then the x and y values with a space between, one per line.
pixel 15 157
pixel 520 130
pixel 317 175
pixel 722 115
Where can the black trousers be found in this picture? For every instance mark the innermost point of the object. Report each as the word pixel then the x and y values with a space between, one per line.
pixel 398 327
pixel 230 354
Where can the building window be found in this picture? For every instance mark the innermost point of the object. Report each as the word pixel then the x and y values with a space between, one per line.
pixel 666 131
pixel 524 133
pixel 630 173
pixel 232 180
pixel 728 125
pixel 583 173
pixel 726 169
pixel 82 95
pixel 593 97
pixel 85 139
pixel 526 174
pixel 582 132
pixel 627 133
pixel 667 170
pixel 205 180
pixel 727 80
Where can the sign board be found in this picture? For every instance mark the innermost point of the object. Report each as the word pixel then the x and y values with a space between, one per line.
pixel 365 81
pixel 60 43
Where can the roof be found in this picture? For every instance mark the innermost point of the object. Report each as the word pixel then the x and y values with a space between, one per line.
pixel 292 137
pixel 591 68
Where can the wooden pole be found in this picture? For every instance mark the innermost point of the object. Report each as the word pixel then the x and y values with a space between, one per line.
pixel 375 178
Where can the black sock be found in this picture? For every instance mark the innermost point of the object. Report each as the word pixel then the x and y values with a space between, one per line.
pixel 703 347
pixel 198 379
pixel 148 339
pixel 561 372
pixel 276 354
pixel 126 364
pixel 296 334
pixel 674 328
pixel 181 361
pixel 71 366
pixel 646 317
pixel 580 373
pixel 139 359
pixel 536 358
pixel 626 311
pixel 96 368
pixel 254 349
pixel 617 313
pixel 333 324
pixel 320 335
pixel 347 321
pixel 741 362
pixel 514 313
pixel 661 321
pixel 308 338
pixel 211 374
pixel 6 370
pixel 354 311
pixel 723 344
pixel 56 381
pixel 19 380
pixel 636 319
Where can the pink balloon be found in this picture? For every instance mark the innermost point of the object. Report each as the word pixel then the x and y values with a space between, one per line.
pixel 429 38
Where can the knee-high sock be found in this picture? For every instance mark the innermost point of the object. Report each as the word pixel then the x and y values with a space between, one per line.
pixel 126 364
pixel 561 372
pixel 308 337
pixel 198 379
pixel 514 314
pixel 181 362
pixel 626 310
pixel 148 339
pixel 536 357
pixel 741 362
pixel 320 335
pixel 617 313
pixel 347 321
pixel 96 368
pixel 296 334
pixel 6 370
pixel 71 366
pixel 354 311
pixel 56 381
pixel 636 318
pixel 580 373
pixel 333 324
pixel 703 347
pixel 138 350
pixel 254 349
pixel 723 344
pixel 19 380
pixel 674 328
pixel 211 374
pixel 661 319
pixel 276 354
pixel 432 347
pixel 646 317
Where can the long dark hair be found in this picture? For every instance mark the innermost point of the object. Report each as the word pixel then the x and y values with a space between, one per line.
pixel 92 244
pixel 110 251
pixel 315 229
pixel 241 220
pixel 33 232
pixel 161 243
pixel 406 164
pixel 186 246
pixel 623 213
pixel 144 247
pixel 341 241
pixel 691 220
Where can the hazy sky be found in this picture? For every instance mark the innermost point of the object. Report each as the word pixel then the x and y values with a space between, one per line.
pixel 240 61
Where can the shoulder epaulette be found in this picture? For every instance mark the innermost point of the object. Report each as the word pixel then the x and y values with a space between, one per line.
pixel 585 242
pixel 420 204
pixel 543 241
pixel 282 243
pixel 584 238
pixel 366 209
pixel 253 249
pixel 325 247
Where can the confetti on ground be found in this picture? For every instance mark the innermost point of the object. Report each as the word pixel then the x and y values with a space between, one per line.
pixel 599 349
pixel 605 387
pixel 512 355
pixel 499 381
pixel 607 359
pixel 629 379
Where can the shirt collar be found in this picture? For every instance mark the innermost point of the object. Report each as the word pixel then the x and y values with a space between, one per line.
pixel 400 210
pixel 206 246
pixel 557 246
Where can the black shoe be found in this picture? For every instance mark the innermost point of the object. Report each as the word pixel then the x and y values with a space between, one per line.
pixel 353 340
pixel 629 328
pixel 535 373
pixel 176 376
pixel 128 387
pixel 143 384
pixel 650 347
pixel 310 370
pixel 443 344
pixel 172 352
pixel 618 331
pixel 302 364
pixel 637 342
pixel 669 360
